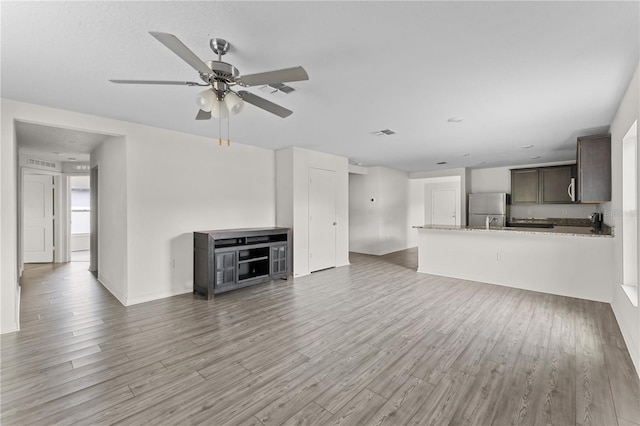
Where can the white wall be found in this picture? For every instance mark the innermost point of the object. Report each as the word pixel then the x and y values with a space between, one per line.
pixel 628 316
pixel 498 179
pixel 380 226
pixel 293 201
pixel 364 197
pixel 9 290
pixel 175 184
pixel 178 184
pixel 111 159
pixel 573 266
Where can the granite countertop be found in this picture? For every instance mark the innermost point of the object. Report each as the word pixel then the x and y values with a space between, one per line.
pixel 580 231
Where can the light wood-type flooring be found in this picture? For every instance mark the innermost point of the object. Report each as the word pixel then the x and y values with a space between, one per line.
pixel 369 344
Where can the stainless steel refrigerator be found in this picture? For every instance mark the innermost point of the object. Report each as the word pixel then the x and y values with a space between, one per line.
pixel 495 205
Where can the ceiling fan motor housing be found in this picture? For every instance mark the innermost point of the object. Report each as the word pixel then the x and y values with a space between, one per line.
pixel 221 71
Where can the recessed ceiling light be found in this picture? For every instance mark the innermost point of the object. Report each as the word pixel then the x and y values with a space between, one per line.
pixel 358 164
pixel 454 120
pixel 441 162
pixel 482 162
pixel 527 146
pixel 466 154
pixel 536 158
pixel 71 159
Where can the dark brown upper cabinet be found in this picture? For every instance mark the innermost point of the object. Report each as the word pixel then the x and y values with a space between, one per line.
pixel 557 184
pixel 524 186
pixel 594 169
pixel 542 185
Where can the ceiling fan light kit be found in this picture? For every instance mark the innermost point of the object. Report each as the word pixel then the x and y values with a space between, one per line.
pixel 231 104
pixel 219 100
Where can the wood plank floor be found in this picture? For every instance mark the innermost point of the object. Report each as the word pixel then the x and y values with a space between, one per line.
pixel 372 343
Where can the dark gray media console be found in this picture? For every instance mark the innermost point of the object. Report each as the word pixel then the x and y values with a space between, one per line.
pixel 228 259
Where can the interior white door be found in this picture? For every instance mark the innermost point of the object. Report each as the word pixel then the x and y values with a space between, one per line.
pixel 37 218
pixel 322 219
pixel 443 207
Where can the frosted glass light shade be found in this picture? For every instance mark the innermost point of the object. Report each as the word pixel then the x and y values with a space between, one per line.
pixel 233 103
pixel 206 100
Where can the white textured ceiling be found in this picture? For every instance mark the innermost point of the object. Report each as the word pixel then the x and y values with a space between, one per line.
pixel 518 73
pixel 55 143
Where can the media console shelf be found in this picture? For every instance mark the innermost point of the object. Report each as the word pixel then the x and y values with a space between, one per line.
pixel 228 259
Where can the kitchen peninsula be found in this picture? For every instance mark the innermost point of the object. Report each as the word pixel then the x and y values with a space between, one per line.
pixel 564 260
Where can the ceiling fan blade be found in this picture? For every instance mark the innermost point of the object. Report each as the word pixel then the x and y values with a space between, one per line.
pixel 177 47
pixel 176 83
pixel 264 104
pixel 203 115
pixel 277 76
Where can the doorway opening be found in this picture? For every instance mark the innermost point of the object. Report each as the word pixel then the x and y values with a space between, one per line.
pixel 80 212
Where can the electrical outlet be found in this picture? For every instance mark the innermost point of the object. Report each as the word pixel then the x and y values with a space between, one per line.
pixel 500 257
pixel 565 212
pixel 173 264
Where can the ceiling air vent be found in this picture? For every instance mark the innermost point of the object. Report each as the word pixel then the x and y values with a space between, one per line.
pixel 385 132
pixel 278 89
pixel 41 163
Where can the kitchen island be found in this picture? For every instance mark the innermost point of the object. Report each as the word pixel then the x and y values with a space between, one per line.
pixel 564 260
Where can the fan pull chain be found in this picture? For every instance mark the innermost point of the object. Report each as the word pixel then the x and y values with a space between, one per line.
pixel 220 131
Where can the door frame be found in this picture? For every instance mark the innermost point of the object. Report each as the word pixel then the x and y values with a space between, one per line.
pixel 94 176
pixel 456 200
pixel 448 182
pixel 335 236
pixel 60 208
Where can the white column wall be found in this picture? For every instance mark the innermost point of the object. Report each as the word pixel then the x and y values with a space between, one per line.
pixel 9 290
pixel 628 316
pixel 111 159
pixel 293 201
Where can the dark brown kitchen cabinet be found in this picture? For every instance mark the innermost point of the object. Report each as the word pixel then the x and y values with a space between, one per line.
pixel 524 186
pixel 593 183
pixel 225 260
pixel 556 184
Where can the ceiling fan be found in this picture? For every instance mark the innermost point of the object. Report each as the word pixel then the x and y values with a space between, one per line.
pixel 218 99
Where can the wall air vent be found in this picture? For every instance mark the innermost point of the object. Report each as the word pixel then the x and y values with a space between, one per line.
pixel 41 163
pixel 384 132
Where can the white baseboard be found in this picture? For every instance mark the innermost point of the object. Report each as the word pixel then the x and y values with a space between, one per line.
pixel 151 297
pixel 14 325
pixel 109 286
pixel 632 346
